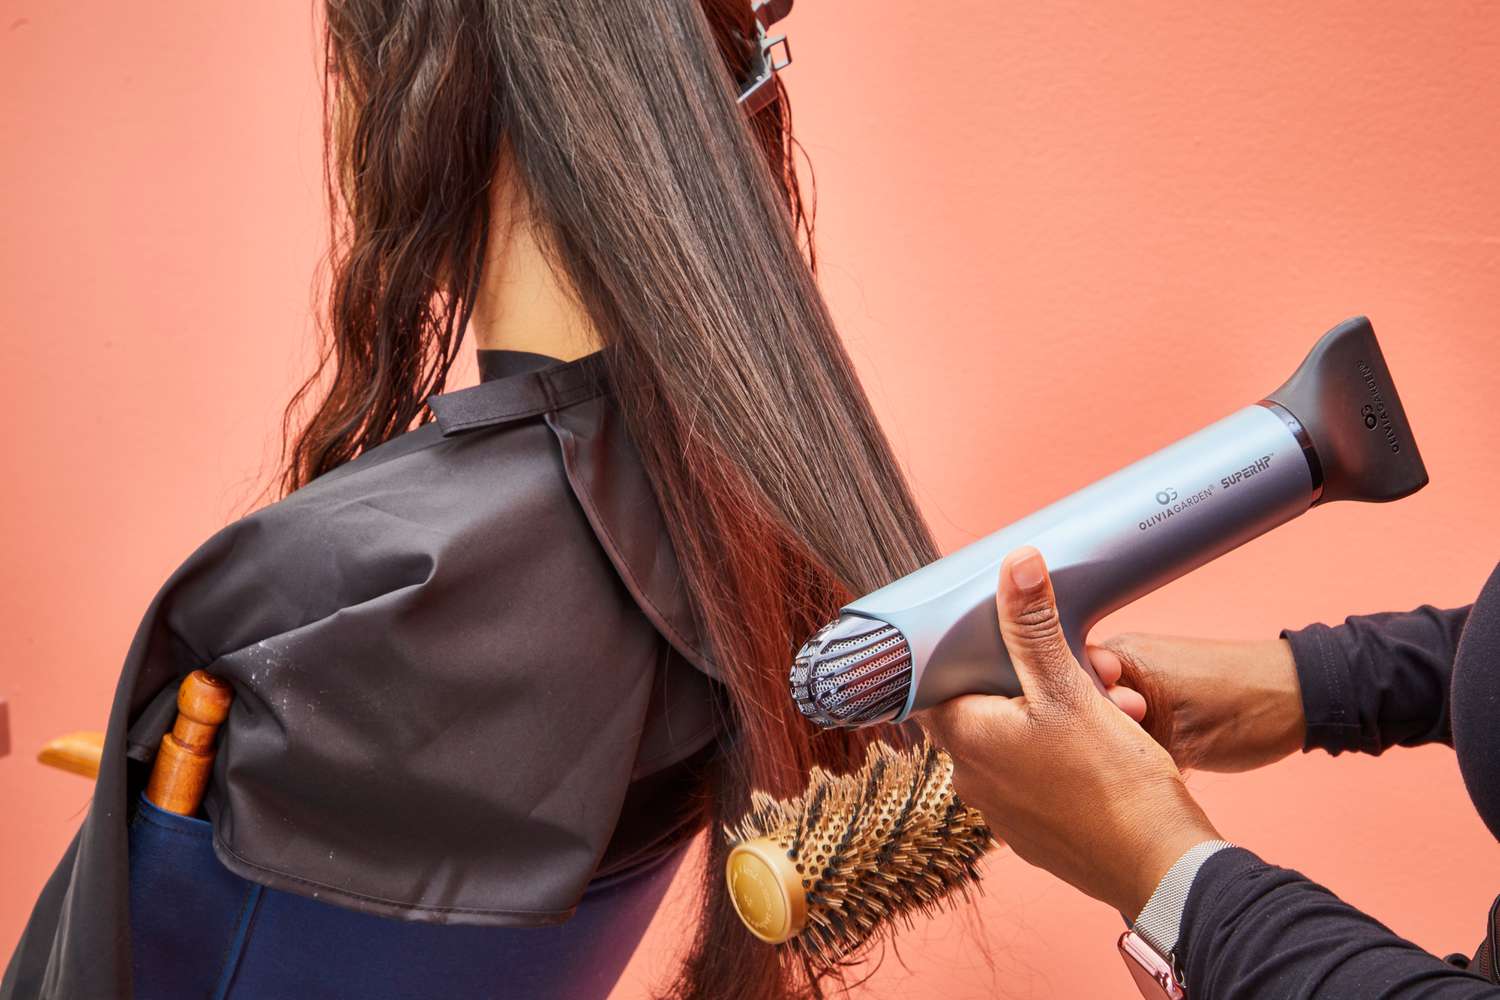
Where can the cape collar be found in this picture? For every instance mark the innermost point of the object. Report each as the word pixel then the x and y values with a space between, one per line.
pixel 517 397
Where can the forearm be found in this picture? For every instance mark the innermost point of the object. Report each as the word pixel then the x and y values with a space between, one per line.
pixel 1251 930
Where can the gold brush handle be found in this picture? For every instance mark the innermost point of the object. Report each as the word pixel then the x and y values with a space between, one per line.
pixel 766 890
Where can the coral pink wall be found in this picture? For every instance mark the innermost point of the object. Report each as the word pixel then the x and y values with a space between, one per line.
pixel 1057 236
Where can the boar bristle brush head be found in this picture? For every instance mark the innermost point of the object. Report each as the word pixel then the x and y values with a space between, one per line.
pixel 824 873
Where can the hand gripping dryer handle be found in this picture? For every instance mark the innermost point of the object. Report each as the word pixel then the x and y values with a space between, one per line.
pixel 1334 431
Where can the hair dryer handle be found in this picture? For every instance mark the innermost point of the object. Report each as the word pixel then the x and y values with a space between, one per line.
pixel 1081 655
pixel 1078 616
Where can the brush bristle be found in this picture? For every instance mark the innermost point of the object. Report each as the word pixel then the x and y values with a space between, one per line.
pixel 873 848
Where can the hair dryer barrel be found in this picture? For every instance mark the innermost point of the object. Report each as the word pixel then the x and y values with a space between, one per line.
pixel 1334 431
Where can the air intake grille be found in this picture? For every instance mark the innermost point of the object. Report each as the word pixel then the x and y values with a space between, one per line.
pixel 855 671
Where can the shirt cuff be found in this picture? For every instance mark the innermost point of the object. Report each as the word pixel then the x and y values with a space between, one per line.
pixel 1217 894
pixel 1328 701
pixel 1160 920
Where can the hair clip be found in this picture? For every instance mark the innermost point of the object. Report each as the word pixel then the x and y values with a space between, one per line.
pixel 760 90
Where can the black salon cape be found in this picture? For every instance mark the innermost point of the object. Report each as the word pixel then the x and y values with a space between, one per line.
pixel 450 657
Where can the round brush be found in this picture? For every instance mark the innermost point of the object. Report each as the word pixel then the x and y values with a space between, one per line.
pixel 825 872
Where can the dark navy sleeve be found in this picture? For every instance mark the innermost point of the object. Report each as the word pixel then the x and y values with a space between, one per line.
pixel 1252 930
pixel 1378 681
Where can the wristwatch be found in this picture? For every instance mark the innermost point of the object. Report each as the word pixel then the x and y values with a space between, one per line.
pixel 1149 948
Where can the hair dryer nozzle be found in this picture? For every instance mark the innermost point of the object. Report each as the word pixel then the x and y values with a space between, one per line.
pixel 854 671
pixel 1344 396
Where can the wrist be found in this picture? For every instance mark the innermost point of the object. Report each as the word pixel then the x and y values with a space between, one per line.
pixel 1262 719
pixel 1293 714
pixel 1161 845
pixel 1278 705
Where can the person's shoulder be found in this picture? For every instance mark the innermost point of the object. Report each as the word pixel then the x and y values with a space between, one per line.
pixel 418 506
pixel 421 450
pixel 425 476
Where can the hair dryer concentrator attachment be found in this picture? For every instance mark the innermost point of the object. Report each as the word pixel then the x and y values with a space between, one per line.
pixel 854 668
pixel 1335 431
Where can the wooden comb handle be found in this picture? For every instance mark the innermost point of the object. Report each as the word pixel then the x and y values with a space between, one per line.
pixel 187 753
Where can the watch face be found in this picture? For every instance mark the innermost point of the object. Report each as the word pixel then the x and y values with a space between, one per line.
pixel 1152 973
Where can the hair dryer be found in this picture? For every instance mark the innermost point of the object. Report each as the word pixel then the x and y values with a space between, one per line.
pixel 1334 431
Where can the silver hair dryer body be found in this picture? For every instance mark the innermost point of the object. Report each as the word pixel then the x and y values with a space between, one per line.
pixel 1335 431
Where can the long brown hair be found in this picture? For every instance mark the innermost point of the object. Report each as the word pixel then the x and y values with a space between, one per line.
pixel 675 218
